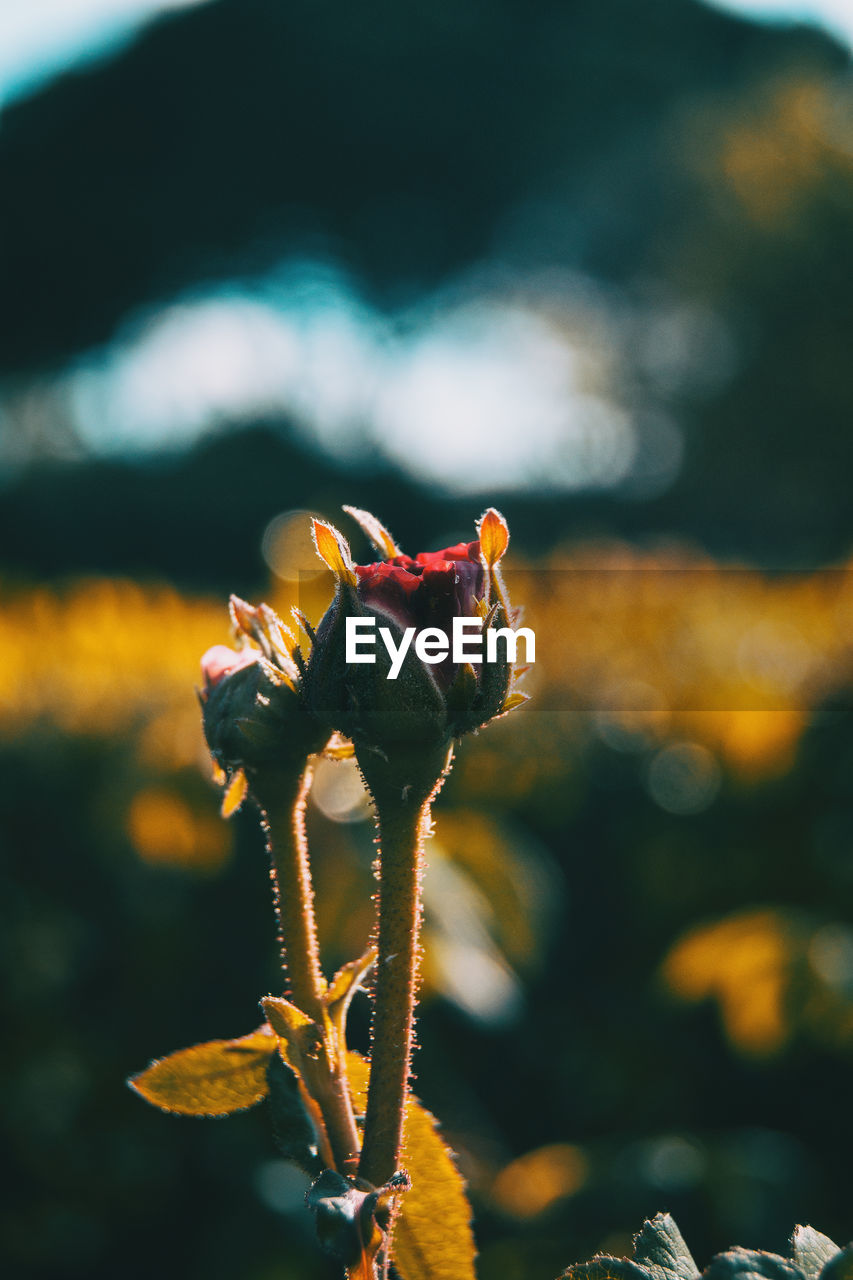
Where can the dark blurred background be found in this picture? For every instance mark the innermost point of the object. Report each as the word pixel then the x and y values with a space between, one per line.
pixel 587 262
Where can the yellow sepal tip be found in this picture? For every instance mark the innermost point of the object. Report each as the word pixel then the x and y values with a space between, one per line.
pixel 512 701
pixel 376 532
pixel 494 537
pixel 235 794
pixel 333 550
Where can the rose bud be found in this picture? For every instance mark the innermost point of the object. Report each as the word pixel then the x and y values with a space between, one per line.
pixel 253 711
pixel 428 702
pixel 345 1218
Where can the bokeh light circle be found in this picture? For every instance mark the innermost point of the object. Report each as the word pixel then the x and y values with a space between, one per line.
pixel 288 549
pixel 684 778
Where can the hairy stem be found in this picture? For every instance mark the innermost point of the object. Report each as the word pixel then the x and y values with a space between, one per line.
pixel 403 789
pixel 400 841
pixel 282 804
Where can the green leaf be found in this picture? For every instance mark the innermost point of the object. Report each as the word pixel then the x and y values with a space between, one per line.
pixel 212 1079
pixel 750 1264
pixel 293 1130
pixel 432 1232
pixel 603 1267
pixel 840 1267
pixel 661 1252
pixel 811 1251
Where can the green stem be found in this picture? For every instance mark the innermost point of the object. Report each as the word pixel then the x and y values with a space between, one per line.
pixel 282 801
pixel 396 983
pixel 402 791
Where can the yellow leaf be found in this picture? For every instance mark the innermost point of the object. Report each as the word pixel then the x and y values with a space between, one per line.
pixel 350 977
pixel 299 1035
pixel 363 1269
pixel 235 794
pixel 211 1079
pixel 432 1232
pixel 343 987
pixel 376 532
pixel 285 1018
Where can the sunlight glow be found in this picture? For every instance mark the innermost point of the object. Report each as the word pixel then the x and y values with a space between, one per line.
pixel 472 393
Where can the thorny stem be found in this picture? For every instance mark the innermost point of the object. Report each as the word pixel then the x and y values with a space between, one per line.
pixel 402 820
pixel 282 803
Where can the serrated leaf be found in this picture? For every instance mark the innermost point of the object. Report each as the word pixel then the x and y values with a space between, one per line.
pixel 839 1267
pixel 432 1234
pixel 747 1264
pixel 293 1130
pixel 811 1251
pixel 660 1250
pixel 659 1254
pixel 433 1238
pixel 212 1079
pixel 603 1267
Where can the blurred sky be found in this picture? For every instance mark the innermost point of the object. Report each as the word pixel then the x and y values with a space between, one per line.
pixel 835 15
pixel 40 37
pixel 521 387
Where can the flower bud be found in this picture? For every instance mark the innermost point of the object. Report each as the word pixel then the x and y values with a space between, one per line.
pixel 427 703
pixel 253 711
pixel 345 1218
